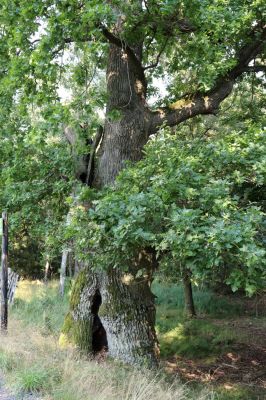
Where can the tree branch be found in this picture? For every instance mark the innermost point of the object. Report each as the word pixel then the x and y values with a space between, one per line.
pixel 154 65
pixel 255 68
pixel 209 102
pixel 94 146
pixel 111 39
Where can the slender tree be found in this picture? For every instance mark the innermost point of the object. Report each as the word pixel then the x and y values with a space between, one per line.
pixel 188 295
pixel 4 274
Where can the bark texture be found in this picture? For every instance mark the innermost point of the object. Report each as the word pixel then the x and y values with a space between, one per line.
pixel 128 316
pixel 113 309
pixel 110 306
pixel 125 135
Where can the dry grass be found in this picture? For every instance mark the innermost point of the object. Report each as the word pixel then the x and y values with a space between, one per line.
pixel 33 361
pixel 37 363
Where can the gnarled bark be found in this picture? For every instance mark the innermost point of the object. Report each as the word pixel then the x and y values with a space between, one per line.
pixel 107 302
pixel 113 311
pixel 124 317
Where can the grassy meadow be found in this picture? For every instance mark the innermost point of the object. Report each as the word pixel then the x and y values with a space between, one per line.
pixel 32 361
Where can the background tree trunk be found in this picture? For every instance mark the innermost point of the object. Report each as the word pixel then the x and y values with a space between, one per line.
pixel 4 273
pixel 46 270
pixel 122 305
pixel 63 271
pixel 188 295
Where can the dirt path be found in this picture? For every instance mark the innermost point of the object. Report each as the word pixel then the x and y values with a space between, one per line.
pixel 4 395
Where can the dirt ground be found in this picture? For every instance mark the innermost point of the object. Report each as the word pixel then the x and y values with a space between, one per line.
pixel 6 395
pixel 244 364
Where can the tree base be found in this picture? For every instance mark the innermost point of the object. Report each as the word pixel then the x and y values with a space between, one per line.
pixel 115 312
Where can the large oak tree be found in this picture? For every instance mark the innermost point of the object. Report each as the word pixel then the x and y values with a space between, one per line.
pixel 201 48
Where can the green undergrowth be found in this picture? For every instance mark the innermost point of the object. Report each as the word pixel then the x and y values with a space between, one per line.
pixel 196 337
pixel 239 392
pixel 207 303
pixel 191 338
pixel 36 379
pixel 7 361
pixel 32 360
pixel 41 305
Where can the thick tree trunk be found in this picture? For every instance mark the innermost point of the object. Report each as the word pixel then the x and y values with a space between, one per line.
pixel 113 309
pixel 188 294
pixel 128 316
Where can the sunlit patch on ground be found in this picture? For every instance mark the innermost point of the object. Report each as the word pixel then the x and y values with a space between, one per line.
pixel 243 368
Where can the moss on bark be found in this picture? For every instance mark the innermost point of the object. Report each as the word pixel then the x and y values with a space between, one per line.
pixel 77 333
pixel 77 327
pixel 79 285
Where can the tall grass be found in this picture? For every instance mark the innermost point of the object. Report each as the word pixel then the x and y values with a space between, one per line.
pixel 32 360
pixel 193 338
pixel 36 364
pixel 207 303
pixel 41 306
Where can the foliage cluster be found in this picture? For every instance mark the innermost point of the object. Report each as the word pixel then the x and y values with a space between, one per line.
pixel 47 46
pixel 185 199
pixel 36 174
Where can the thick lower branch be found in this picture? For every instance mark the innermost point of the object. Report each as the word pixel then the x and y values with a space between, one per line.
pixel 209 102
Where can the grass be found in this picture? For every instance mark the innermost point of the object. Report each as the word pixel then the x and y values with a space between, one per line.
pixel 36 379
pixel 32 361
pixel 41 366
pixel 41 306
pixel 192 338
pixel 204 339
pixel 7 361
pixel 207 303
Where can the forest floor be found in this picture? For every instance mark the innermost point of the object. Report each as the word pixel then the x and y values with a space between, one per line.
pixel 240 370
pixel 223 348
pixel 220 355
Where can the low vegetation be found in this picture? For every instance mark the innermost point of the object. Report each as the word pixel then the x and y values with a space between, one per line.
pixel 32 361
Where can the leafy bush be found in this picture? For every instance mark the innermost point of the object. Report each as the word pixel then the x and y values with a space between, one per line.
pixel 184 201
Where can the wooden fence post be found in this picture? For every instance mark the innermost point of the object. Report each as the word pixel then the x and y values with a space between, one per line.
pixel 4 273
